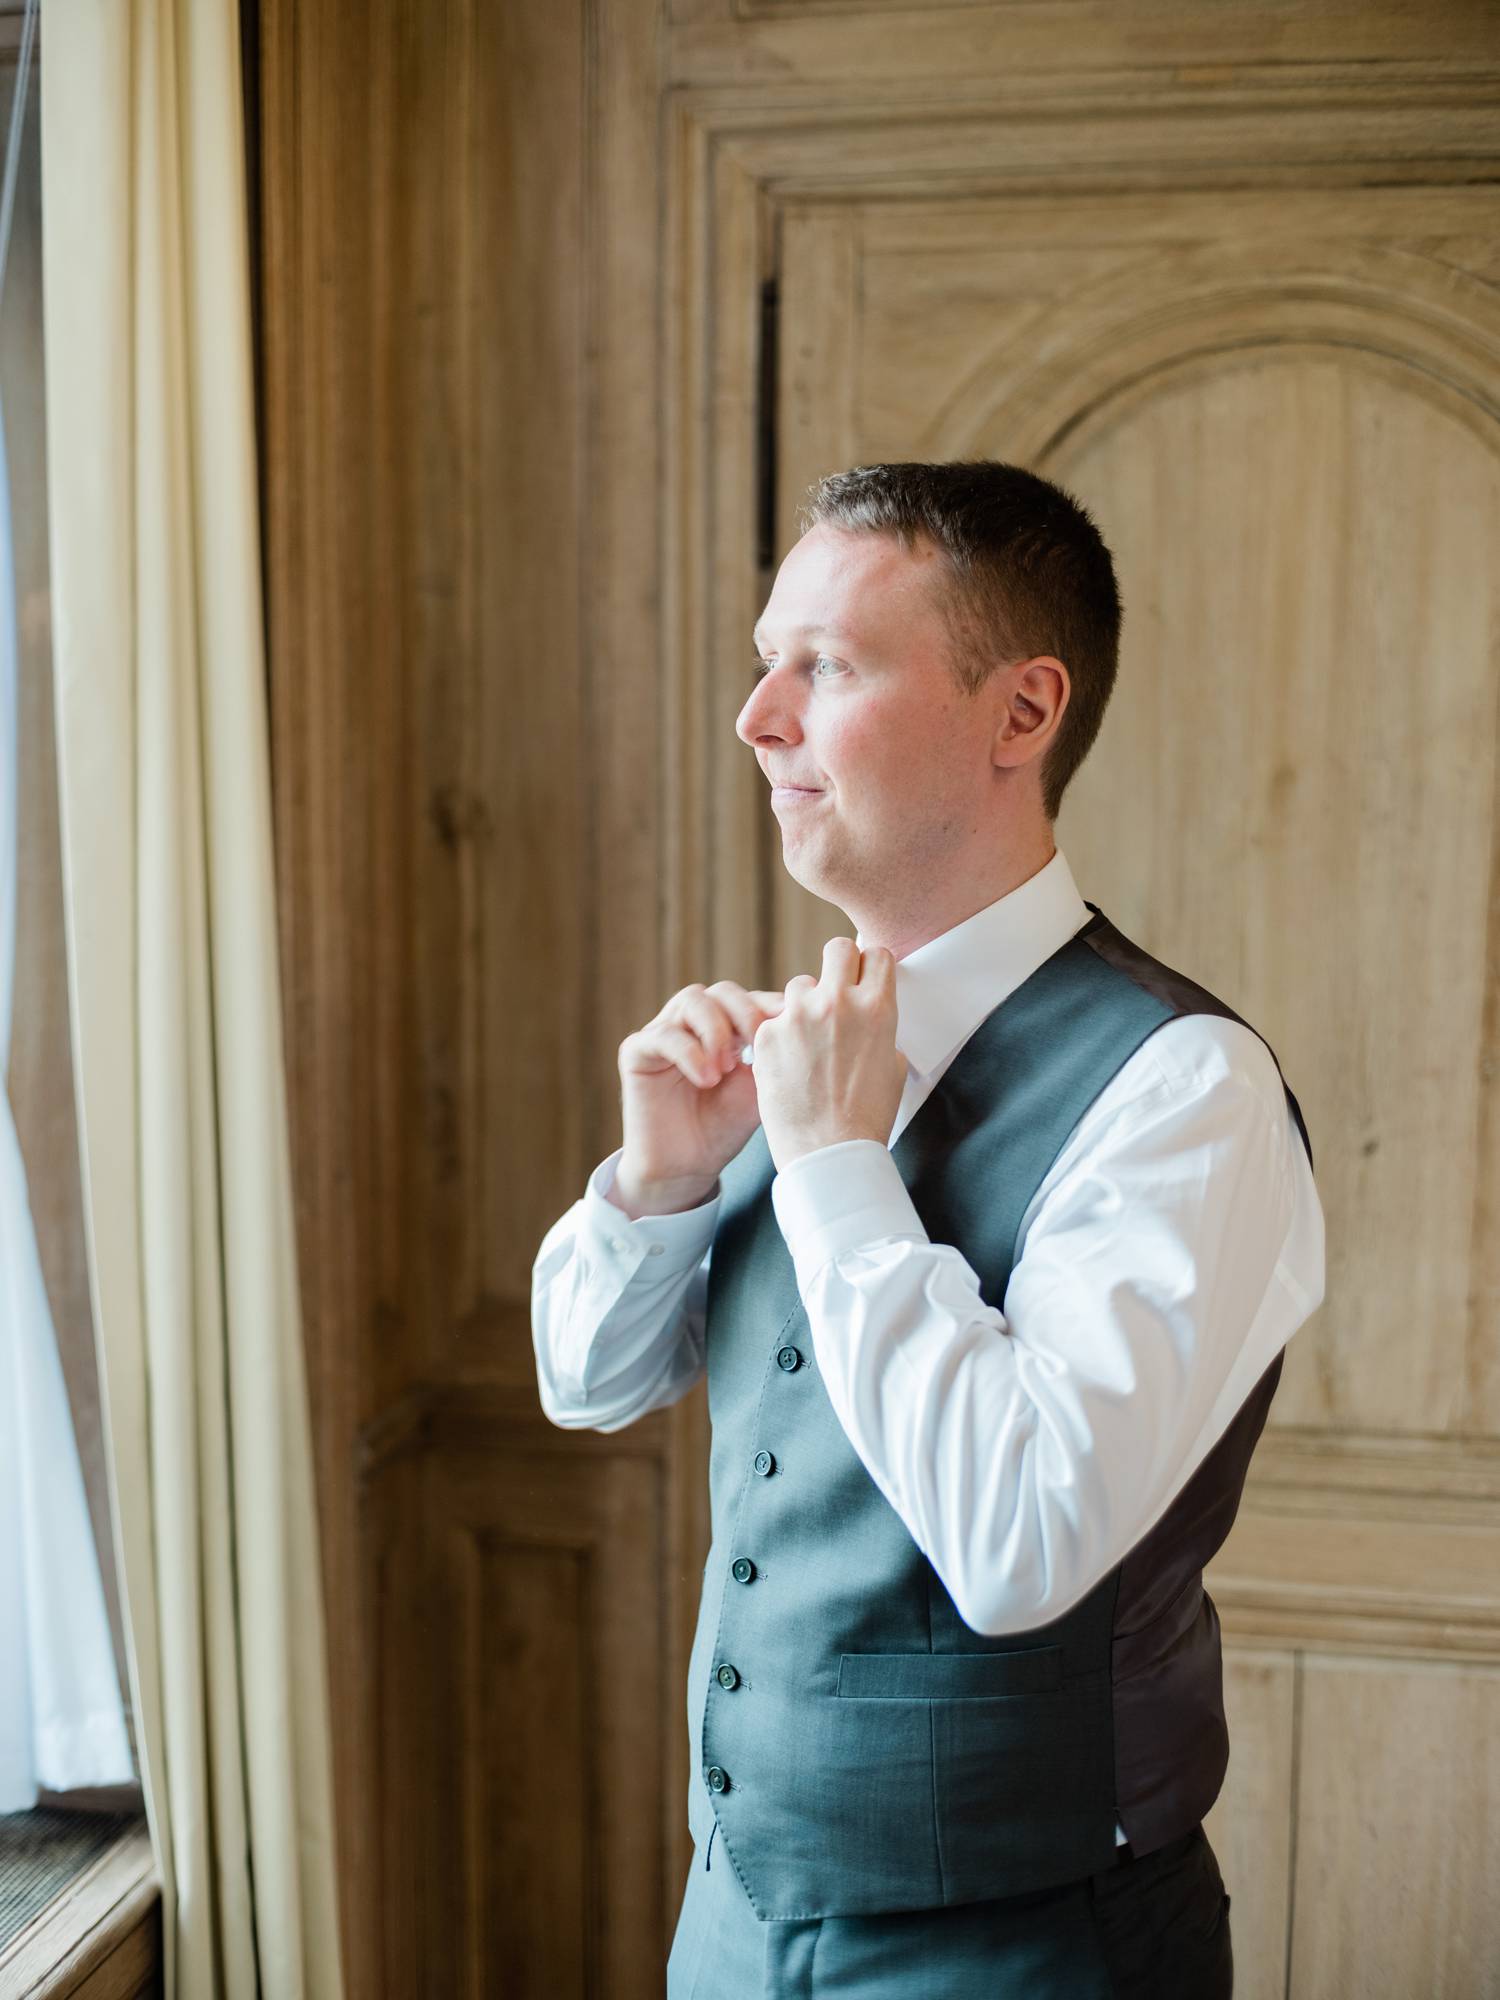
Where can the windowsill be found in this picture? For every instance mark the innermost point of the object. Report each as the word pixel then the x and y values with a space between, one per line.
pixel 101 1934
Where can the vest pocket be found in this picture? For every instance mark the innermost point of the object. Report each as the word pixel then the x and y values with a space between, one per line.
pixel 948 1676
pixel 1023 1790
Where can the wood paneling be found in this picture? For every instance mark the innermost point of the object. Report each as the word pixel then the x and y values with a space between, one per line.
pixel 514 267
pixel 517 1574
pixel 459 306
pixel 1398 1845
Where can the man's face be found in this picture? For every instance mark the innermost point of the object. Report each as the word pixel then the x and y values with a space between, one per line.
pixel 860 706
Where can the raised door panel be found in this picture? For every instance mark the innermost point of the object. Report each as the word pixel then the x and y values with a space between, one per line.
pixel 1397 1839
pixel 515 1588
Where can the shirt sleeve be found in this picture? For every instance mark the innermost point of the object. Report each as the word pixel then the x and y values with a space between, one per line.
pixel 1028 1450
pixel 618 1308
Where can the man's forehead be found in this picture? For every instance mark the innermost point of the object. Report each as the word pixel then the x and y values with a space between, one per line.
pixel 852 571
pixel 839 635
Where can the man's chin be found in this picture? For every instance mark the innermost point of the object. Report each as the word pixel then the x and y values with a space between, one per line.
pixel 808 870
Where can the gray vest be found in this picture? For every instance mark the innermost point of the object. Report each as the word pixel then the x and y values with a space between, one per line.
pixel 861 1748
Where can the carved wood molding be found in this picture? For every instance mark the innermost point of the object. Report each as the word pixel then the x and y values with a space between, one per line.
pixel 864 45
pixel 1439 324
pixel 1355 1544
pixel 1367 1544
pixel 1295 1468
pixel 986 133
pixel 490 1416
pixel 1330 1622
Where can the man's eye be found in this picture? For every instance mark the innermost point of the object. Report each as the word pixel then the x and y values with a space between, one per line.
pixel 760 668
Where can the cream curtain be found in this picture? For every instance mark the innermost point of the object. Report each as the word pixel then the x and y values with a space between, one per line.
pixel 162 745
pixel 62 1724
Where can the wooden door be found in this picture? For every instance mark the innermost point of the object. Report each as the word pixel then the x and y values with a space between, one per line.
pixel 1280 403
pixel 1281 408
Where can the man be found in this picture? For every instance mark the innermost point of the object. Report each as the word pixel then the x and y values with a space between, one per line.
pixel 989 1250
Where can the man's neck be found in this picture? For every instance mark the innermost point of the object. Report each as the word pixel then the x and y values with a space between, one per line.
pixel 906 931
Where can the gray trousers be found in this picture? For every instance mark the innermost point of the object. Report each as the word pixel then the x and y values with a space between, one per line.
pixel 1153 1927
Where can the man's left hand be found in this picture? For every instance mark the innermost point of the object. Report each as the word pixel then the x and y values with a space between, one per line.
pixel 827 1067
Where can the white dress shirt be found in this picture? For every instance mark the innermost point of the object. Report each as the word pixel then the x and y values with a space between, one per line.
pixel 1172 1249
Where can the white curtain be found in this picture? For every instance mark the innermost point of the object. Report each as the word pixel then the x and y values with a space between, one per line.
pixel 165 807
pixel 62 1722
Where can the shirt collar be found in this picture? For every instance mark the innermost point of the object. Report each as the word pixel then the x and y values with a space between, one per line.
pixel 946 987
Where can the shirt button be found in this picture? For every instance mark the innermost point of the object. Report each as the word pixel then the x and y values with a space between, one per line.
pixel 618 1243
pixel 656 1249
pixel 742 1570
pixel 728 1676
pixel 764 1463
pixel 718 1781
pixel 788 1358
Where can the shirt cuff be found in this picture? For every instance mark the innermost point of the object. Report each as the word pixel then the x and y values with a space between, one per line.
pixel 841 1197
pixel 616 1242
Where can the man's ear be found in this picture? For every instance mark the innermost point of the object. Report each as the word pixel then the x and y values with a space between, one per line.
pixel 1037 701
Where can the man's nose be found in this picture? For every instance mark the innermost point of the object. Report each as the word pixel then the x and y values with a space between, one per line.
pixel 767 713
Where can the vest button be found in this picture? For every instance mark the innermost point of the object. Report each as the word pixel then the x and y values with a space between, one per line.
pixel 718 1781
pixel 788 1358
pixel 728 1676
pixel 742 1569
pixel 765 1464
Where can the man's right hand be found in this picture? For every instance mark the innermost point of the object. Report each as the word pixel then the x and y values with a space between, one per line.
pixel 689 1101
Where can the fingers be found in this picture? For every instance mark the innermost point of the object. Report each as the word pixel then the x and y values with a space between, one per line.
pixel 879 967
pixel 682 1046
pixel 840 963
pixel 704 1030
pixel 720 1020
pixel 845 965
pixel 745 1009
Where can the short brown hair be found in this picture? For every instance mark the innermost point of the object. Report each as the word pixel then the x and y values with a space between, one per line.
pixel 1030 573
